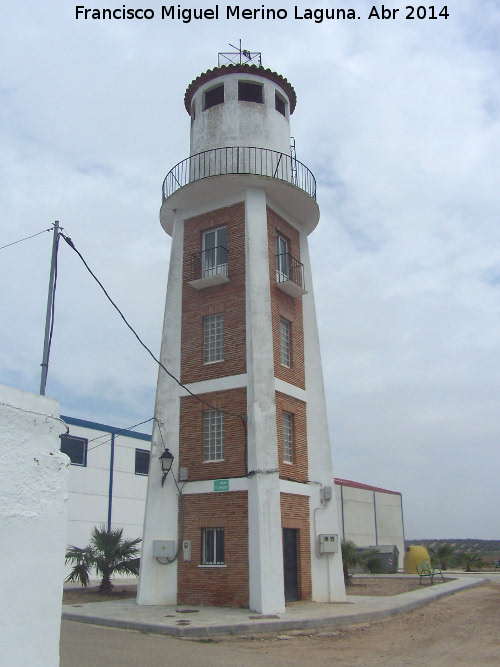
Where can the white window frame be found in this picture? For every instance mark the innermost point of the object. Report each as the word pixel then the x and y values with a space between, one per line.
pixel 282 263
pixel 285 342
pixel 213 338
pixel 212 547
pixel 214 263
pixel 213 435
pixel 287 424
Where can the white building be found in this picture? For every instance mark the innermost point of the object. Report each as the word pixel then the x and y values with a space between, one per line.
pixel 370 516
pixel 108 478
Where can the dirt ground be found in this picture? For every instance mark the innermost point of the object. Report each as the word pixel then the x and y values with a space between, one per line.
pixel 91 594
pixel 461 629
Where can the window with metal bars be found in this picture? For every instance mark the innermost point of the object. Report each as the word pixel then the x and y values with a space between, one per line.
pixel 212 546
pixel 141 462
pixel 285 342
pixel 213 338
pixel 75 448
pixel 213 435
pixel 287 437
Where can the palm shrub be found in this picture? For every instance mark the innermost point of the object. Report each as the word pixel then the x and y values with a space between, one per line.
pixel 470 561
pixel 371 561
pixel 108 553
pixel 351 558
pixel 443 556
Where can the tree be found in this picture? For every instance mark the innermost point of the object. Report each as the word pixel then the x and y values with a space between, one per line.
pixel 108 553
pixel 352 558
pixel 444 555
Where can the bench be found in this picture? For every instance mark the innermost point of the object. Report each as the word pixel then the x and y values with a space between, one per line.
pixel 425 570
pixel 496 563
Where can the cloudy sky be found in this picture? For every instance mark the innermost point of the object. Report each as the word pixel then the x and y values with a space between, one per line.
pixel 400 122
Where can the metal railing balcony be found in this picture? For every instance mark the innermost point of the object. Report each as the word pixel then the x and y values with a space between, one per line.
pixel 290 275
pixel 239 160
pixel 209 263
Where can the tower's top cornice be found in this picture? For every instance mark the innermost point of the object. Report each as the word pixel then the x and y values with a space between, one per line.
pixel 235 69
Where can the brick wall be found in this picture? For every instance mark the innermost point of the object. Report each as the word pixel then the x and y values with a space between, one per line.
pixel 228 298
pixel 228 585
pixel 285 306
pixel 298 470
pixel 295 514
pixel 191 435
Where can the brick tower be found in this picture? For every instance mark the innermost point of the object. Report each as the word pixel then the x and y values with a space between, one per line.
pixel 251 520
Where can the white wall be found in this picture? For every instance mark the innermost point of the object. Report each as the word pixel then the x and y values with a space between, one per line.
pixel 33 515
pixel 370 516
pixel 89 486
pixel 236 123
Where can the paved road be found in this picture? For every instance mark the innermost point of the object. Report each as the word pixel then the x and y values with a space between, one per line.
pixel 84 645
pixel 466 628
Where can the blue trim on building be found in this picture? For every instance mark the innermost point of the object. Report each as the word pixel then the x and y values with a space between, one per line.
pixel 375 517
pixel 73 421
pixel 111 471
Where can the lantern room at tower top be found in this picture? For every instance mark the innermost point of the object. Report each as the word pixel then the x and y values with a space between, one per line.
pixel 240 130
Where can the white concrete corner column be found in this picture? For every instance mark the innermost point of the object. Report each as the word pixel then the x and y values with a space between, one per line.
pixel 264 516
pixel 33 524
pixel 158 580
pixel 326 569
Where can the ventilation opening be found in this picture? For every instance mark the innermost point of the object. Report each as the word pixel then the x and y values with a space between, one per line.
pixel 214 96
pixel 280 104
pixel 250 92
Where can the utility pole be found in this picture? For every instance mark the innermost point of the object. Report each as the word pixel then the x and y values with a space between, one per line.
pixel 48 317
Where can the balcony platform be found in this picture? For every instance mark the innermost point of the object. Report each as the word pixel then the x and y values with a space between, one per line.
pixel 208 281
pixel 223 173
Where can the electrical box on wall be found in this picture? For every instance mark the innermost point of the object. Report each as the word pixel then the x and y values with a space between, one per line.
pixel 328 544
pixel 186 550
pixel 326 494
pixel 163 548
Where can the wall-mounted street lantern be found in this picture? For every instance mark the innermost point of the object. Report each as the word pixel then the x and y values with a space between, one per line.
pixel 166 460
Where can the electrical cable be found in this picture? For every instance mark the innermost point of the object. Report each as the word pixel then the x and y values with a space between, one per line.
pixel 26 239
pixel 119 432
pixel 201 400
pixel 34 412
